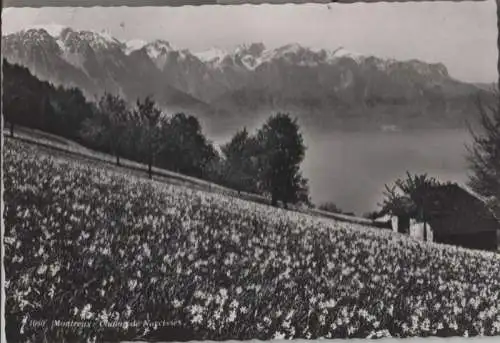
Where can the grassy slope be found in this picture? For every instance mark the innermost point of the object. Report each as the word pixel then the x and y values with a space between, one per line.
pixel 69 148
pixel 75 150
pixel 85 242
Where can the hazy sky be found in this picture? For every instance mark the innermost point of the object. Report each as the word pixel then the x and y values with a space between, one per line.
pixel 460 35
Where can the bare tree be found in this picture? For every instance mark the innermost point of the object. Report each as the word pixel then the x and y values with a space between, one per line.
pixel 408 197
pixel 484 155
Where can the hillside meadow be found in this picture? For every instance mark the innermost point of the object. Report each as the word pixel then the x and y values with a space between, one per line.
pixel 87 243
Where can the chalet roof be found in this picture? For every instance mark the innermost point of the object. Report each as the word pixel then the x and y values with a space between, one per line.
pixel 472 193
pixel 455 209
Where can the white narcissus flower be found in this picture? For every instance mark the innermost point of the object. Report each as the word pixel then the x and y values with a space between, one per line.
pixel 196 309
pixel 183 222
pixel 176 303
pixel 234 304
pixel 279 335
pixel 232 316
pixel 197 319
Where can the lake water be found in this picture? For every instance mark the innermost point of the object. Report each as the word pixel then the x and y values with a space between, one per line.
pixel 351 168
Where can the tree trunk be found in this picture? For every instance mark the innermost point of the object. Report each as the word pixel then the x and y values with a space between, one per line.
pixel 424 219
pixel 150 158
pixel 425 231
pixel 274 201
pixel 11 129
pixel 117 159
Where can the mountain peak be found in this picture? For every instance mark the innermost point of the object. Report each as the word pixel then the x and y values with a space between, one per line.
pixel 61 32
pixel 253 49
pixel 54 30
pixel 210 73
pixel 343 52
pixel 106 35
pixel 292 48
pixel 134 44
pixel 161 44
pixel 158 48
pixel 212 55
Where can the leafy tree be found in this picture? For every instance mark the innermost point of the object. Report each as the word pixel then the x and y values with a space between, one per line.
pixel 408 198
pixel 30 102
pixel 281 150
pixel 114 116
pixel 9 104
pixel 18 97
pixel 135 142
pixel 150 116
pixel 484 155
pixel 46 111
pixel 74 109
pixel 240 154
pixel 303 192
pixel 215 169
pixel 184 148
pixel 11 107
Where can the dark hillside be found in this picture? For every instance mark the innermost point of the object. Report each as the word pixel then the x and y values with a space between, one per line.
pixel 40 105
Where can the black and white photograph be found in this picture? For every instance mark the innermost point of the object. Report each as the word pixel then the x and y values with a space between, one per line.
pixel 251 172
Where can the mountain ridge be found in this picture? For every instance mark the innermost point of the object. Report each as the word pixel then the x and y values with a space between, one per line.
pixel 224 86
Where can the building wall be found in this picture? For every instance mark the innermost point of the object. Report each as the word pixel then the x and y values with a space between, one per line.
pixel 403 224
pixel 453 211
pixel 458 217
pixel 417 230
pixel 394 222
pixel 383 225
pixel 486 240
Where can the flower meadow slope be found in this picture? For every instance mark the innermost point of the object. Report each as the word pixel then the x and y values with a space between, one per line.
pixel 128 258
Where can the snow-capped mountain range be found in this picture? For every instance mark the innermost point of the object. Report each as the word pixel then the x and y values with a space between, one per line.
pixel 319 84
